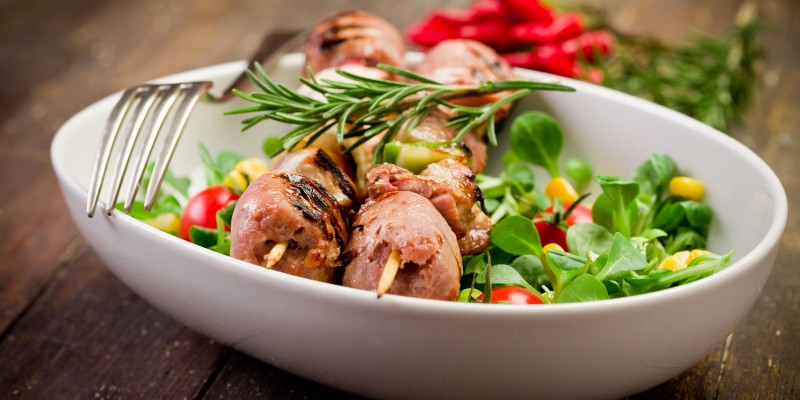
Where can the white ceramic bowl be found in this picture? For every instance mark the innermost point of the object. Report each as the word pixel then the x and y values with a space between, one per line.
pixel 397 347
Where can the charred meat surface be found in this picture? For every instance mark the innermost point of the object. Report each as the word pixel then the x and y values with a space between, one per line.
pixel 466 62
pixel 354 37
pixel 430 262
pixel 285 208
pixel 450 187
pixel 317 165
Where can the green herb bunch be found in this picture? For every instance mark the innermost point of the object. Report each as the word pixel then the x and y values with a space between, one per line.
pixel 710 79
pixel 636 224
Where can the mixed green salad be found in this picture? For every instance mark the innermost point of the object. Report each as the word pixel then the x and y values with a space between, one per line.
pixel 642 233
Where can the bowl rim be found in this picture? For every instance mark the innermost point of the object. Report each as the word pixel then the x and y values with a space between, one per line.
pixel 343 294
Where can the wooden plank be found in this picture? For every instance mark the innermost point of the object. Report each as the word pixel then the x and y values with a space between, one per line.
pixel 700 381
pixel 39 231
pixel 246 378
pixel 764 357
pixel 89 336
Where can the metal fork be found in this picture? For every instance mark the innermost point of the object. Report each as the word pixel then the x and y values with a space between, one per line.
pixel 139 116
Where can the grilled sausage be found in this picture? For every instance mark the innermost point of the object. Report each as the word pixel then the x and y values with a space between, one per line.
pixel 282 207
pixel 430 262
pixel 353 37
pixel 466 62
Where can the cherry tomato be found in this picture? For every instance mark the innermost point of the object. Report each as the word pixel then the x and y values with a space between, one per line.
pixel 579 215
pixel 551 233
pixel 514 295
pixel 202 209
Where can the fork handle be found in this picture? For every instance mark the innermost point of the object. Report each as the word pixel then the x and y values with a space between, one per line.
pixel 273 47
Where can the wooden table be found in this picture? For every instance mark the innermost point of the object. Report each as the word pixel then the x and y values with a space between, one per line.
pixel 70 329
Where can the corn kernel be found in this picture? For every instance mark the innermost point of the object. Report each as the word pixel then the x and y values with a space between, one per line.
pixel 551 246
pixel 165 222
pixel 697 253
pixel 676 261
pixel 560 188
pixel 686 187
pixel 244 172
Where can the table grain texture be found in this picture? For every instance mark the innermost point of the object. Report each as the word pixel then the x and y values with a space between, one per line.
pixel 70 329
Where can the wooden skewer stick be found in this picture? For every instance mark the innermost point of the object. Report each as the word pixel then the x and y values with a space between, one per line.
pixel 275 254
pixel 389 272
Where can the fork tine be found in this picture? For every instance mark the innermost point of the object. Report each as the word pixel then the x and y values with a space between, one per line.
pixel 104 150
pixel 146 95
pixel 166 96
pixel 193 91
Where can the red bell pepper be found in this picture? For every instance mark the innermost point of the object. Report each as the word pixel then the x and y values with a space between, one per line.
pixel 530 11
pixel 566 26
pixel 591 44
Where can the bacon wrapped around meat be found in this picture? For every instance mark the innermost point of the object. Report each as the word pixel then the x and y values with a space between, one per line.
pixel 450 187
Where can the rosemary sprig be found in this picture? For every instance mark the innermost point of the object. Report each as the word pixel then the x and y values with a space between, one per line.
pixel 710 79
pixel 363 107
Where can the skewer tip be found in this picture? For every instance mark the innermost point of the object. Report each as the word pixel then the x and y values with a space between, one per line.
pixel 275 254
pixel 389 273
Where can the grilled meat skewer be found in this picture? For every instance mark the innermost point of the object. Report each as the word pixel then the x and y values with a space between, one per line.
pixel 296 218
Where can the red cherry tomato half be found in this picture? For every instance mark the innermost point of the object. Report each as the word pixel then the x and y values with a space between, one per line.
pixel 202 209
pixel 514 295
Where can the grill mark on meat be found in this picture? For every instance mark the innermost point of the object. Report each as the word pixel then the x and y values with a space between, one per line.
pixel 330 38
pixel 299 199
pixel 316 205
pixel 479 197
pixel 342 181
pixel 324 199
pixel 303 207
pixel 310 191
pixel 328 44
pixel 467 151
pixel 347 257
